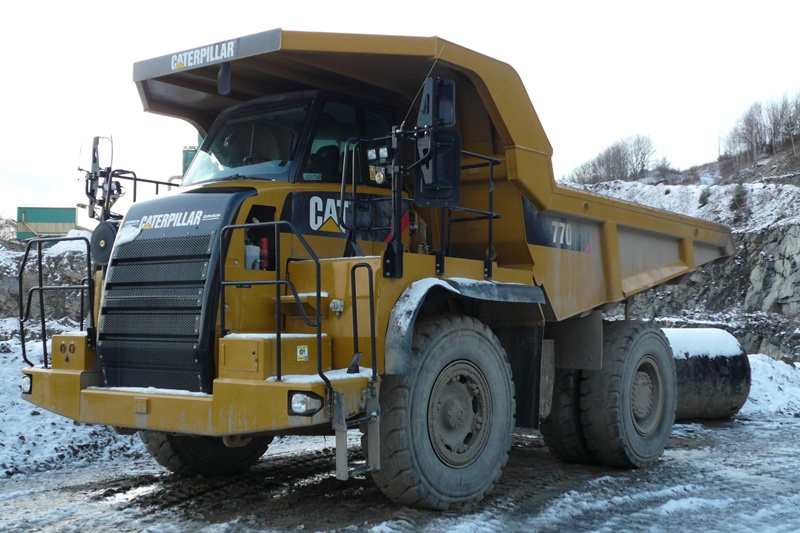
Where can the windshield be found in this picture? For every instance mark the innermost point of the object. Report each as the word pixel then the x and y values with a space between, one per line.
pixel 258 144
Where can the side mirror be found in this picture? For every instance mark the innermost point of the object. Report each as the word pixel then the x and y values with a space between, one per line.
pixel 224 79
pixel 438 105
pixel 438 180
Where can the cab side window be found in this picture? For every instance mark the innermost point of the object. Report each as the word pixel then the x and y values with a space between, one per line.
pixel 337 123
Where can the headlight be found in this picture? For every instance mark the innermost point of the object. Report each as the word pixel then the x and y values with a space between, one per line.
pixel 304 403
pixel 26 384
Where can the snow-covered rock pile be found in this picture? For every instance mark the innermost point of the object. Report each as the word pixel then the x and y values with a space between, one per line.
pixel 764 205
pixel 760 286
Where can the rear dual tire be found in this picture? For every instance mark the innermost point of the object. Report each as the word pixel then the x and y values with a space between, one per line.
pixel 628 407
pixel 622 414
pixel 561 428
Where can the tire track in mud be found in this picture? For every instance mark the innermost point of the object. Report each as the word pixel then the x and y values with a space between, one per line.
pixel 299 490
pixel 280 492
pixel 716 467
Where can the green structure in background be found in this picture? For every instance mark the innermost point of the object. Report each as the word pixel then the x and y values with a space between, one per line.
pixel 188 155
pixel 35 222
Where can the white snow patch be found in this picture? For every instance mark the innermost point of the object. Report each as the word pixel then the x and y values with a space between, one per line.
pixel 332 375
pixel 769 204
pixel 152 390
pixel 126 234
pixel 693 505
pixel 270 336
pixel 78 245
pixel 694 342
pixel 775 389
pixel 322 294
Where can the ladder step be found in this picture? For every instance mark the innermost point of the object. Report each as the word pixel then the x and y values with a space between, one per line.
pixel 308 301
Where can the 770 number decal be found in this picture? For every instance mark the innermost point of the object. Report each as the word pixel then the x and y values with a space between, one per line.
pixel 555 231
pixel 562 233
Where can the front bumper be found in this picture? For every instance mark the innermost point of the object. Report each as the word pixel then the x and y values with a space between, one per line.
pixel 237 406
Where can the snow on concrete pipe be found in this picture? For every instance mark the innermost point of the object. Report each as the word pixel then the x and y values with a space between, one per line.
pixel 713 373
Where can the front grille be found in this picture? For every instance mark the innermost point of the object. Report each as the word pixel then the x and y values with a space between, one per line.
pixel 150 331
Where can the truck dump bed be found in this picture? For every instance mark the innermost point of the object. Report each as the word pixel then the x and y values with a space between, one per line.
pixel 614 248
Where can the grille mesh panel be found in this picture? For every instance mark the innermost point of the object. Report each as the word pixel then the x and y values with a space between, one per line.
pixel 157 272
pixel 150 318
pixel 147 323
pixel 169 247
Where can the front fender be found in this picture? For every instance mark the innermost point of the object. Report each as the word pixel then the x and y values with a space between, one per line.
pixel 404 314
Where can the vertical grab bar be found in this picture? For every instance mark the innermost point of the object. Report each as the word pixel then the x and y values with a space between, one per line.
pixel 353 291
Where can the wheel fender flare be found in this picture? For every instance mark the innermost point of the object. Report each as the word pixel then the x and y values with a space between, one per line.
pixel 404 314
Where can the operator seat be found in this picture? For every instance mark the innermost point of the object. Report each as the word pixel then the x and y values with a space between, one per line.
pixel 326 161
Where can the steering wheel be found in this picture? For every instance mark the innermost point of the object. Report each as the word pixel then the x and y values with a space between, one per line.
pixel 253 159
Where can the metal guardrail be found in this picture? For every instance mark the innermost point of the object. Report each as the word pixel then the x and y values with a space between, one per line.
pixel 87 285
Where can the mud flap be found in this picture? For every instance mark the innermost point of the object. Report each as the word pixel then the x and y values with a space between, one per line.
pixel 340 426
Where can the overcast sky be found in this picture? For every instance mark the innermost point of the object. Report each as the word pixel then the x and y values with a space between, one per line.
pixel 681 72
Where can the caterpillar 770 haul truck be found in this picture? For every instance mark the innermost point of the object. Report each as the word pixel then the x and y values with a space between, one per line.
pixel 370 237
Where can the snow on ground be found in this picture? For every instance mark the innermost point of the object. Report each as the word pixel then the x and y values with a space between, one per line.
pixel 77 244
pixel 32 439
pixel 775 390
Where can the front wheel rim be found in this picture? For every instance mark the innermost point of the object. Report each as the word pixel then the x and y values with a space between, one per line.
pixel 459 414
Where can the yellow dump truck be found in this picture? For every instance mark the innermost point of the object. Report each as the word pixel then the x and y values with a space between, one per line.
pixel 370 237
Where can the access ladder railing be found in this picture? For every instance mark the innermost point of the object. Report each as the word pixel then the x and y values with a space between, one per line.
pixel 86 287
pixel 278 283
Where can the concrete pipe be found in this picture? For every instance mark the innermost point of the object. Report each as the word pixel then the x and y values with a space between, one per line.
pixel 713 373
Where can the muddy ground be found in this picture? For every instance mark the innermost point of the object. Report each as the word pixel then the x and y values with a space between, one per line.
pixel 740 473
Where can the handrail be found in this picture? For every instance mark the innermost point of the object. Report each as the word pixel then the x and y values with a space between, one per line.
pixel 489 215
pixel 371 313
pixel 278 282
pixel 87 284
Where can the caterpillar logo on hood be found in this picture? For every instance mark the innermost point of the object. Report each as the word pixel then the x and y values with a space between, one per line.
pixel 323 214
pixel 171 220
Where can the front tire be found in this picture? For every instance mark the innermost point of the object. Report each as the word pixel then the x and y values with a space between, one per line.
pixel 446 427
pixel 628 407
pixel 202 456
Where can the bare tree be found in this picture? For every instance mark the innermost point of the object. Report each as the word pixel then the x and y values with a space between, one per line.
pixel 749 131
pixel 775 114
pixel 641 151
pixel 625 159
pixel 585 174
pixel 792 127
pixel 614 162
